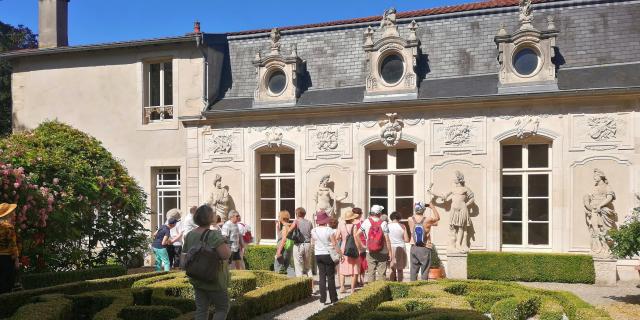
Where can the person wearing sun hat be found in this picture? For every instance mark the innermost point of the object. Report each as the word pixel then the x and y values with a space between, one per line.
pixel 9 261
pixel 323 240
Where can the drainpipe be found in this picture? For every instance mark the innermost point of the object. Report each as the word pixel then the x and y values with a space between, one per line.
pixel 205 65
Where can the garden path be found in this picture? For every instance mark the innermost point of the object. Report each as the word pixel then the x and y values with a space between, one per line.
pixel 622 302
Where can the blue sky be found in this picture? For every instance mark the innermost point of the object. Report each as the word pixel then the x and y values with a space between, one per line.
pixel 97 21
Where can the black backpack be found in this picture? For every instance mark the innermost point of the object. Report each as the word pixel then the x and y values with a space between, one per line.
pixel 296 235
pixel 202 262
pixel 350 248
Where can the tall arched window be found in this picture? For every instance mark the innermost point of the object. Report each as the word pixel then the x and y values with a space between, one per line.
pixel 390 178
pixel 526 192
pixel 276 189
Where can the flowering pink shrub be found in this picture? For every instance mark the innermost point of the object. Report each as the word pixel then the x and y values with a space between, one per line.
pixel 35 203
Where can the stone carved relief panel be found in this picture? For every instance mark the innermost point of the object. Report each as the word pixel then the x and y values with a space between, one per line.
pixel 475 175
pixel 458 136
pixel 583 181
pixel 340 183
pixel 222 145
pixel 329 142
pixel 601 131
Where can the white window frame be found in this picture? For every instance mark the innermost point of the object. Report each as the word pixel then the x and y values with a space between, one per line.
pixel 163 186
pixel 162 107
pixel 391 177
pixel 277 176
pixel 525 172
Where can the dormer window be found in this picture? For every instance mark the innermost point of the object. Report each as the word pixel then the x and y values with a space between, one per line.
pixel 525 56
pixel 277 76
pixel 391 61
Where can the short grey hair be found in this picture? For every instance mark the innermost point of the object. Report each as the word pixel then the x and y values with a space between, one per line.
pixel 233 213
pixel 204 216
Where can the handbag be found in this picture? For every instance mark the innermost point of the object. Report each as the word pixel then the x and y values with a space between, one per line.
pixel 296 236
pixel 202 262
pixel 288 244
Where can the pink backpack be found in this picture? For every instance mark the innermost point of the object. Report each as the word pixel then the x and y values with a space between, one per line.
pixel 375 237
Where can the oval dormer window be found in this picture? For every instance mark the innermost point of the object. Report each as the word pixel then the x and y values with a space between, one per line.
pixel 525 61
pixel 392 68
pixel 277 82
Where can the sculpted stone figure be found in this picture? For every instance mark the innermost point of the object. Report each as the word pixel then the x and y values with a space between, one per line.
pixel 461 198
pixel 219 200
pixel 600 215
pixel 325 198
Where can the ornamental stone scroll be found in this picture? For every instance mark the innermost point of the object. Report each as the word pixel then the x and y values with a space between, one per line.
pixel 222 145
pixel 601 131
pixel 329 142
pixel 458 136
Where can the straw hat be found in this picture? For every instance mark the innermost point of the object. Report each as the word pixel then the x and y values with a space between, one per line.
pixel 350 215
pixel 6 209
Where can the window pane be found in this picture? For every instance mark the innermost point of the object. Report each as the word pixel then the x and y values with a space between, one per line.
pixel 154 84
pixel 267 188
pixel 512 156
pixel 405 158
pixel 268 229
pixel 404 206
pixel 538 209
pixel 380 201
pixel 287 163
pixel 538 155
pixel 378 159
pixel 511 186
pixel 378 186
pixel 267 209
pixel 512 233
pixel 268 163
pixel 168 84
pixel 511 210
pixel 539 233
pixel 169 201
pixel 289 205
pixel 287 188
pixel 404 185
pixel 538 185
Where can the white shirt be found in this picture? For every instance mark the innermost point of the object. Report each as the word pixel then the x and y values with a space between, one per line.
pixel 396 234
pixel 321 236
pixel 174 233
pixel 187 225
pixel 366 225
pixel 232 232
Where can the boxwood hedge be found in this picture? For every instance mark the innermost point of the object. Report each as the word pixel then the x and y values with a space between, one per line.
pixel 259 257
pixel 531 267
pixel 48 279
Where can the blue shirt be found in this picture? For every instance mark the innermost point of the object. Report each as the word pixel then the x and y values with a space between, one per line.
pixel 163 231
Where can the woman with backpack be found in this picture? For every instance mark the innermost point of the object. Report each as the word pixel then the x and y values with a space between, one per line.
pixel 398 237
pixel 350 261
pixel 324 242
pixel 363 266
pixel 284 250
pixel 208 292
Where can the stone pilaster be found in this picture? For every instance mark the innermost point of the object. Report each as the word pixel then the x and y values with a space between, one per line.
pixel 605 272
pixel 193 187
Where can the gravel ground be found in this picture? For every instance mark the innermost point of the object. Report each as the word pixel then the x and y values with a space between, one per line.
pixel 622 302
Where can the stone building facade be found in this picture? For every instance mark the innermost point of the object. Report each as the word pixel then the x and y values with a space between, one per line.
pixel 534 103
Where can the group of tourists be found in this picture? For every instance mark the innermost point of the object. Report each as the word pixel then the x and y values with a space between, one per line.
pixel 360 248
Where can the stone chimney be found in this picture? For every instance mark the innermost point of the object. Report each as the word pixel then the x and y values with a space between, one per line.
pixel 52 23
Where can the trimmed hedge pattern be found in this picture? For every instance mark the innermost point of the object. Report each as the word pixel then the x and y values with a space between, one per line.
pixel 10 302
pixel 259 257
pixel 48 279
pixel 531 267
pixel 457 299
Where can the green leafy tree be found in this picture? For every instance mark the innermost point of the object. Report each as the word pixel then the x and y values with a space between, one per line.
pixel 626 239
pixel 99 211
pixel 11 38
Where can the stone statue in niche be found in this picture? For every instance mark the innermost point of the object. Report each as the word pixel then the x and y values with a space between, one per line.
pixel 391 131
pixel 600 215
pixel 220 199
pixel 461 198
pixel 325 198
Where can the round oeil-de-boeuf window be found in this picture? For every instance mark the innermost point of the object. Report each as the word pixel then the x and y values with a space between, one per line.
pixel 277 81
pixel 525 61
pixel 392 68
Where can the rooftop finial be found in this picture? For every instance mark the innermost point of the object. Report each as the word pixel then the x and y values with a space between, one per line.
pixel 196 26
pixel 275 41
pixel 503 30
pixel 413 26
pixel 551 25
pixel 526 14
pixel 388 23
pixel 368 36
